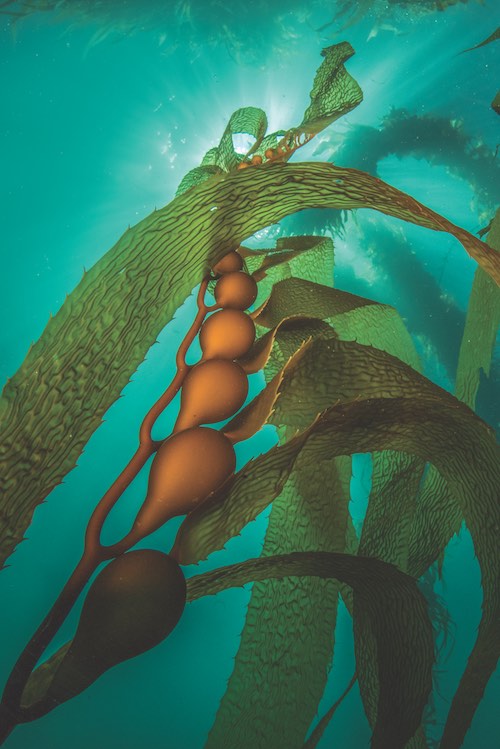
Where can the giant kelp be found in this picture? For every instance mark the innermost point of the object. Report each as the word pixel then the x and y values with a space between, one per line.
pixel 90 348
pixel 342 372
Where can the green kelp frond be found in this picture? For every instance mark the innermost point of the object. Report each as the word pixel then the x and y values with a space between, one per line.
pixel 493 37
pixel 223 158
pixel 386 598
pixel 317 734
pixel 307 257
pixel 396 476
pixel 297 629
pixel 384 405
pixel 334 94
pixel 433 528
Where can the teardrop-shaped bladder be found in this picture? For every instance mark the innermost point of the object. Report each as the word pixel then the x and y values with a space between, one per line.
pixel 229 263
pixel 227 334
pixel 131 606
pixel 235 291
pixel 212 391
pixel 188 467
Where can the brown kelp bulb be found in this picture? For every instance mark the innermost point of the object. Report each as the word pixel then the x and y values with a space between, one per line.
pixel 227 334
pixel 131 606
pixel 213 390
pixel 235 291
pixel 228 264
pixel 188 467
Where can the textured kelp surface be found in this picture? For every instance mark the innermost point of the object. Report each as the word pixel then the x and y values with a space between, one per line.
pixel 102 332
pixel 438 428
pixel 386 601
pixel 343 377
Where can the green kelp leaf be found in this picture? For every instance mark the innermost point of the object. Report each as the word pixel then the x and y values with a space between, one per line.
pixel 385 535
pixel 294 620
pixel 467 457
pixel 481 327
pixel 317 734
pixel 196 176
pixel 495 104
pixel 102 332
pixel 432 529
pixel 495 36
pixel 334 92
pixel 438 513
pixel 296 296
pixel 396 476
pixel 248 120
pixel 307 257
pixel 397 612
pixel 223 158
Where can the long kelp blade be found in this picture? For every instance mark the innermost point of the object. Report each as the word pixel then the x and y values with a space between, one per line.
pixel 317 734
pixel 286 646
pixel 438 516
pixel 395 476
pixel 91 347
pixel 398 617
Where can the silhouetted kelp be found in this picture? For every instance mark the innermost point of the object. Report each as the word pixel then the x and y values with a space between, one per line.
pixel 342 378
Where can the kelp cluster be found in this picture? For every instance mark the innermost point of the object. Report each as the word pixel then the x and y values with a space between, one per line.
pixel 342 377
pixel 432 316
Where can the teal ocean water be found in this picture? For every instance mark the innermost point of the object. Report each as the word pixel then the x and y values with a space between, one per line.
pixel 105 107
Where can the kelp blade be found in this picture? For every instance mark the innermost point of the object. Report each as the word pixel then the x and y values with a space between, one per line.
pixel 398 615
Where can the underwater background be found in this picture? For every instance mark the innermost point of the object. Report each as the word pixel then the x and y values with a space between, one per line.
pixel 105 107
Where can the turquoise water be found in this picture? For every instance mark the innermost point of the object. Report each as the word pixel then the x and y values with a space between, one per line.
pixel 101 118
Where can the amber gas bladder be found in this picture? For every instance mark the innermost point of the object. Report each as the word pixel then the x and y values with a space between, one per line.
pixel 228 264
pixel 228 334
pixel 132 605
pixel 213 390
pixel 235 291
pixel 188 467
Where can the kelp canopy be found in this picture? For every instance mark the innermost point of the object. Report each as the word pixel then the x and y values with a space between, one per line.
pixel 343 378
